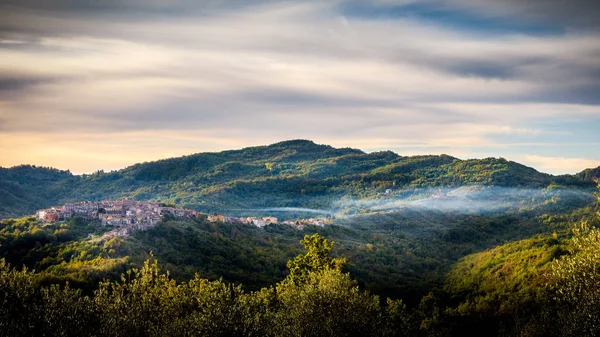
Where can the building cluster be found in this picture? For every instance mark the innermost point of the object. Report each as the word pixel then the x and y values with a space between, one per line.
pixel 124 216
pixel 258 222
pixel 261 222
pixel 300 224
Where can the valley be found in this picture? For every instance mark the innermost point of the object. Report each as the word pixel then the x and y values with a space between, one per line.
pixel 408 228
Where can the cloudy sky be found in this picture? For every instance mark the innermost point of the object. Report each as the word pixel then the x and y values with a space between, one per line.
pixel 88 85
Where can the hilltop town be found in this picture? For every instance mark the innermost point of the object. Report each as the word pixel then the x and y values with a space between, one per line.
pixel 126 216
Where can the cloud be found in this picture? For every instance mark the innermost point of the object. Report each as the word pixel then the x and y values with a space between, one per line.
pixel 560 164
pixel 572 14
pixel 533 16
pixel 255 72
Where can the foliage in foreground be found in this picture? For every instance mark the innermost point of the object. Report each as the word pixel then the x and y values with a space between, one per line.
pixel 316 299
pixel 545 295
pixel 577 284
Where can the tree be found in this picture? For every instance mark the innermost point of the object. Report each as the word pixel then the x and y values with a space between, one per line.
pixel 18 302
pixel 143 303
pixel 316 259
pixel 66 312
pixel 576 282
pixel 318 299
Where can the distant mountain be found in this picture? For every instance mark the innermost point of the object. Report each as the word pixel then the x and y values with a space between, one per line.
pixel 26 188
pixel 295 173
pixel 590 175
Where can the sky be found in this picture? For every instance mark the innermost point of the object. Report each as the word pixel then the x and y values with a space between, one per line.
pixel 91 85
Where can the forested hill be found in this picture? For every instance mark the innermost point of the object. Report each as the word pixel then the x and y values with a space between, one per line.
pixel 296 173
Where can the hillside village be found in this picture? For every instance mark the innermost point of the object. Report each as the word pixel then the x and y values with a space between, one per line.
pixel 127 216
pixel 261 222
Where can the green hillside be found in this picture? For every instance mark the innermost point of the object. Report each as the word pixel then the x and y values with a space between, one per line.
pixel 297 173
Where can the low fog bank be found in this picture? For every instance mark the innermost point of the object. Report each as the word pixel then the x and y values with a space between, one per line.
pixel 293 210
pixel 465 200
pixel 461 200
pixel 286 212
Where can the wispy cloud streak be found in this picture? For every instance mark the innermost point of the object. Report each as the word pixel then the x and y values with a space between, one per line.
pixel 253 72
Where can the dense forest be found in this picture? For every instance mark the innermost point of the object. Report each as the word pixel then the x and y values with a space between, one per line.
pixel 425 245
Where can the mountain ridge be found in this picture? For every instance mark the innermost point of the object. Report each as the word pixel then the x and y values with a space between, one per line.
pixel 288 173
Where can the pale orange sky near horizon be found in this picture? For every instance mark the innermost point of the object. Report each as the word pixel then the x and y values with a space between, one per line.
pixel 82 157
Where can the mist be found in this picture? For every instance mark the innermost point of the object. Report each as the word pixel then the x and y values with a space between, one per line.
pixel 294 209
pixel 461 200
pixel 285 210
pixel 477 199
